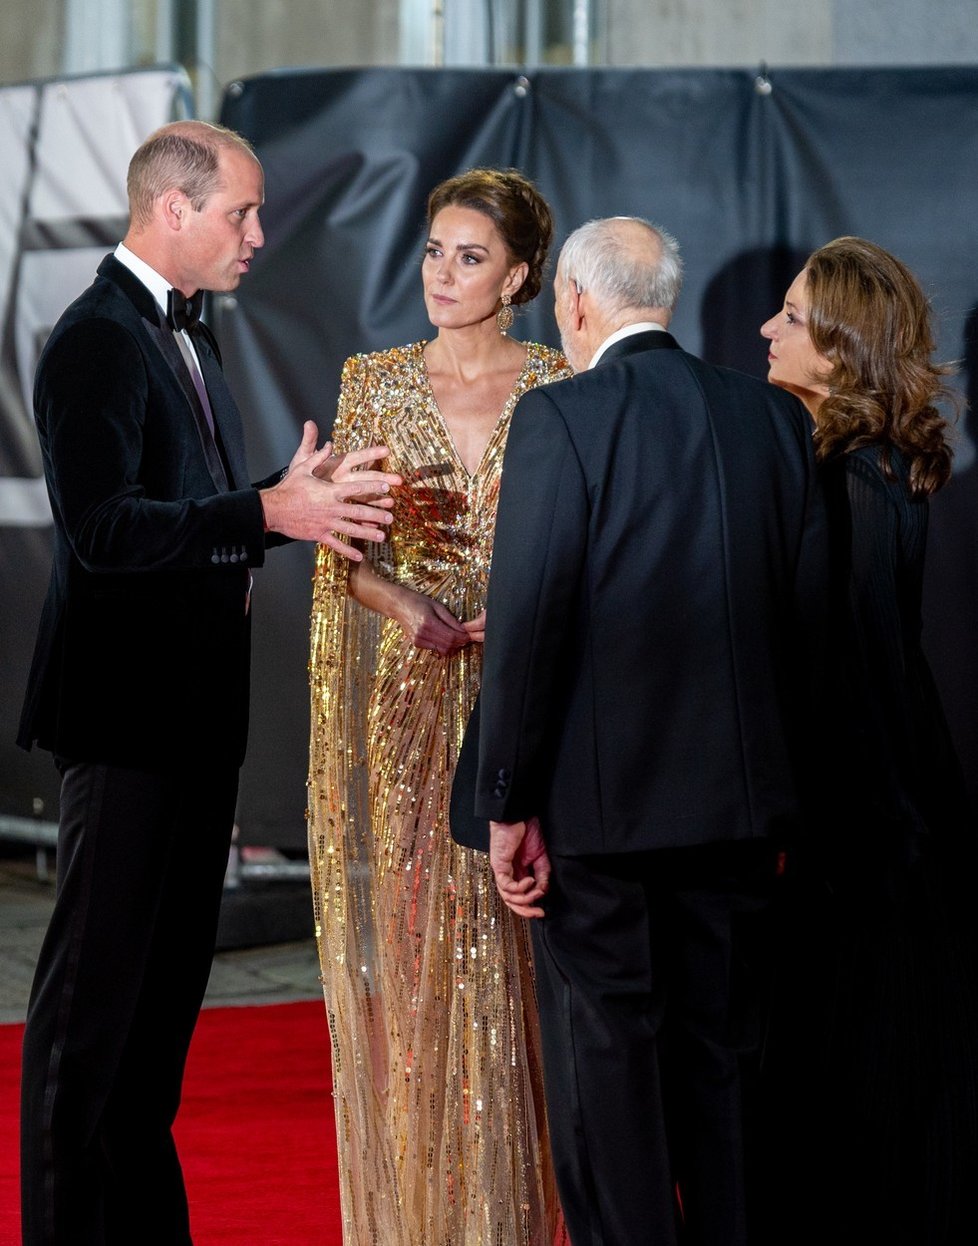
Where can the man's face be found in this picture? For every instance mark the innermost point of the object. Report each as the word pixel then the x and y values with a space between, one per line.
pixel 565 311
pixel 217 243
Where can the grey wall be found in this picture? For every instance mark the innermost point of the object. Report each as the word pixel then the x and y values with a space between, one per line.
pixel 921 32
pixel 30 39
pixel 792 32
pixel 707 33
pixel 257 35
pixel 252 36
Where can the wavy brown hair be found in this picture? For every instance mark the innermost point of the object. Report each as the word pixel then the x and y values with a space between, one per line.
pixel 516 208
pixel 868 317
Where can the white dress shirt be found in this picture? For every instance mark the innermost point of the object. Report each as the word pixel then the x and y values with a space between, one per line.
pixel 159 287
pixel 629 330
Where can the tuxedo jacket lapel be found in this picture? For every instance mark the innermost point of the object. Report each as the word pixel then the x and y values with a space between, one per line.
pixel 218 394
pixel 162 336
pixel 227 419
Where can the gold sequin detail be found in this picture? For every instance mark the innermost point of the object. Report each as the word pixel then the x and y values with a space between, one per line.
pixel 427 976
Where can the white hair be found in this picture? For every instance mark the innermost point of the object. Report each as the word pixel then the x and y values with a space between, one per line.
pixel 599 259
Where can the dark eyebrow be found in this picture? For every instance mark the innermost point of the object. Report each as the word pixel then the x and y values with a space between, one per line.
pixel 462 246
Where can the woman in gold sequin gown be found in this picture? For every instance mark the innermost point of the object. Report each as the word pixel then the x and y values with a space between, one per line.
pixel 427 977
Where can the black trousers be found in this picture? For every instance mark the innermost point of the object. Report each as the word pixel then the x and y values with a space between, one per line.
pixel 118 986
pixel 649 991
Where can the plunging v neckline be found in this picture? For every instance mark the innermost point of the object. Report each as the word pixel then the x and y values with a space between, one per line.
pixel 449 438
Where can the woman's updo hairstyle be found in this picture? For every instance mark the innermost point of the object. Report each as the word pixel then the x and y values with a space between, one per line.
pixel 516 208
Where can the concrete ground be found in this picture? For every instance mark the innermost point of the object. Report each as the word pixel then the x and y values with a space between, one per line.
pixel 276 972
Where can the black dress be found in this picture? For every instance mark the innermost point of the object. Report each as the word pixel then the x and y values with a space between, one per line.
pixel 874 1041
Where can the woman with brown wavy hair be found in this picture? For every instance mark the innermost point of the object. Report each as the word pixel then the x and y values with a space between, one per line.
pixel 428 977
pixel 886 1120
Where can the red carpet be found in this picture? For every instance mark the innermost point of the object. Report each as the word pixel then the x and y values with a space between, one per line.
pixel 255 1130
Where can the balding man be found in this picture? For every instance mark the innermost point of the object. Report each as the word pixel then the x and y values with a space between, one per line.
pixel 139 685
pixel 657 577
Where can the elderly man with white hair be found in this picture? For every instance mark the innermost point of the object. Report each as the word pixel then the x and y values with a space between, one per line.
pixel 654 602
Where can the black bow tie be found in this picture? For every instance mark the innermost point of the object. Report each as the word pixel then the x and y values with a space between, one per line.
pixel 182 313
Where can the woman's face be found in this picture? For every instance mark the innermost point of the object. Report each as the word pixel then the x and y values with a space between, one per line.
pixel 466 269
pixel 793 362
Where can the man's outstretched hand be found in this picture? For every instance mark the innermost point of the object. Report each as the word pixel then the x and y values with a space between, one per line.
pixel 323 496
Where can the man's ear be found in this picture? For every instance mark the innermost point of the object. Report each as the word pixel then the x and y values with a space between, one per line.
pixel 577 302
pixel 175 207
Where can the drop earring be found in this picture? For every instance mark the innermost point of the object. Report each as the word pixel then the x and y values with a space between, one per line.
pixel 504 317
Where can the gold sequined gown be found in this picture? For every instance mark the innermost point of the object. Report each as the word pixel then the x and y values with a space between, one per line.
pixel 427 976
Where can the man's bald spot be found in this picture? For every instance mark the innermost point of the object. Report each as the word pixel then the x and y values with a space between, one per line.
pixel 637 239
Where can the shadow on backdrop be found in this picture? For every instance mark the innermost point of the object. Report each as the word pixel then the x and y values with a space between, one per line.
pixel 950 608
pixel 739 298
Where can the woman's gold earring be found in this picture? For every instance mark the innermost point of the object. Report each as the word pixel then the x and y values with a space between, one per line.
pixel 504 317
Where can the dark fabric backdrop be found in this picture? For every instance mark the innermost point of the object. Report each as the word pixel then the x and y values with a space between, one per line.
pixel 750 174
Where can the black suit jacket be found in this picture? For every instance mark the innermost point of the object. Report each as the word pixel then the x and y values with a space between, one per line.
pixel 142 655
pixel 654 610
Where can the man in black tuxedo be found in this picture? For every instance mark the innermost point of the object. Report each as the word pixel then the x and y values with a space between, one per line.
pixel 139 685
pixel 653 614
